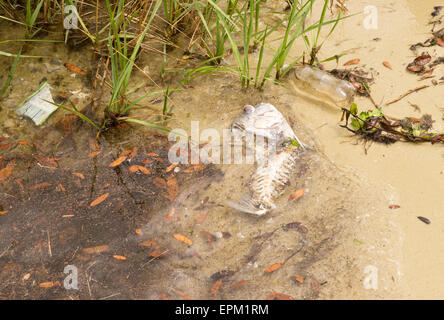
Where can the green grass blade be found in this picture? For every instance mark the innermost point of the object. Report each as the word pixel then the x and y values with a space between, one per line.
pixel 11 73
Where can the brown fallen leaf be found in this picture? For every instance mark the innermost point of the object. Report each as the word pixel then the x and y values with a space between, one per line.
pixel 351 62
pixel 183 239
pixel 215 287
pixel 93 144
pixel 315 284
pixel 157 253
pixel 418 64
pixel 97 249
pixel 133 168
pixel 163 296
pixel 116 256
pixel 152 154
pixel 387 65
pixel 139 232
pixel 240 283
pixel 171 167
pixel 46 284
pixel 298 278
pixel 226 235
pixel 5 146
pixel 147 243
pixel 172 187
pixel 93 154
pixel 424 219
pixel 296 195
pixel 74 69
pixel 201 218
pixel 222 274
pixel 133 153
pixel 40 186
pixel 273 267
pixel 394 206
pixel 279 296
pixel 209 236
pixel 144 170
pixel 99 199
pixel 183 294
pixel 6 171
pixel 118 161
pixel 78 174
pixel 125 153
pixel 160 183
pixel 45 161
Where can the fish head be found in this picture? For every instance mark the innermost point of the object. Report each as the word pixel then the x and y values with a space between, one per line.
pixel 263 120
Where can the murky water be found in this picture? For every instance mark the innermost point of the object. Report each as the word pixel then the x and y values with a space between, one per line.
pixel 340 232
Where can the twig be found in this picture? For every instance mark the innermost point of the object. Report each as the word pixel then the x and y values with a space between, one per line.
pixel 6 250
pixel 407 93
pixel 49 244
pixel 370 96
pixel 154 258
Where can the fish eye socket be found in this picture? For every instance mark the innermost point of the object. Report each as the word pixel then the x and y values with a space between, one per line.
pixel 248 108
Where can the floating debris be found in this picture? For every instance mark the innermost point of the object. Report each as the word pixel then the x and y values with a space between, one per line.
pixel 374 125
pixel 336 88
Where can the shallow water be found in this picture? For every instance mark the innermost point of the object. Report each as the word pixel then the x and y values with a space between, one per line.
pixel 347 226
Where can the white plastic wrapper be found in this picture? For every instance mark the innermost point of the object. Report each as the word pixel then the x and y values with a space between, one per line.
pixel 37 106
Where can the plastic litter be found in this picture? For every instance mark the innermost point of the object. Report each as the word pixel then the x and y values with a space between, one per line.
pixel 340 91
pixel 38 106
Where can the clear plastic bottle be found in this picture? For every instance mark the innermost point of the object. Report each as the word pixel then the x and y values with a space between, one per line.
pixel 340 91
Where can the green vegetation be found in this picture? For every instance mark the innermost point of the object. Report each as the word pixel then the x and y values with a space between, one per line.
pixel 215 30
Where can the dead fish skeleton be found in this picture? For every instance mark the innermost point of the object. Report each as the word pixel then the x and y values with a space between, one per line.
pixel 271 176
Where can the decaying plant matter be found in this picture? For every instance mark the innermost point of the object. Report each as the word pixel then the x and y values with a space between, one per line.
pixel 360 79
pixel 374 125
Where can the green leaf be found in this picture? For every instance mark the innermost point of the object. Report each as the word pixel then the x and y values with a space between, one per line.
pixel 354 109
